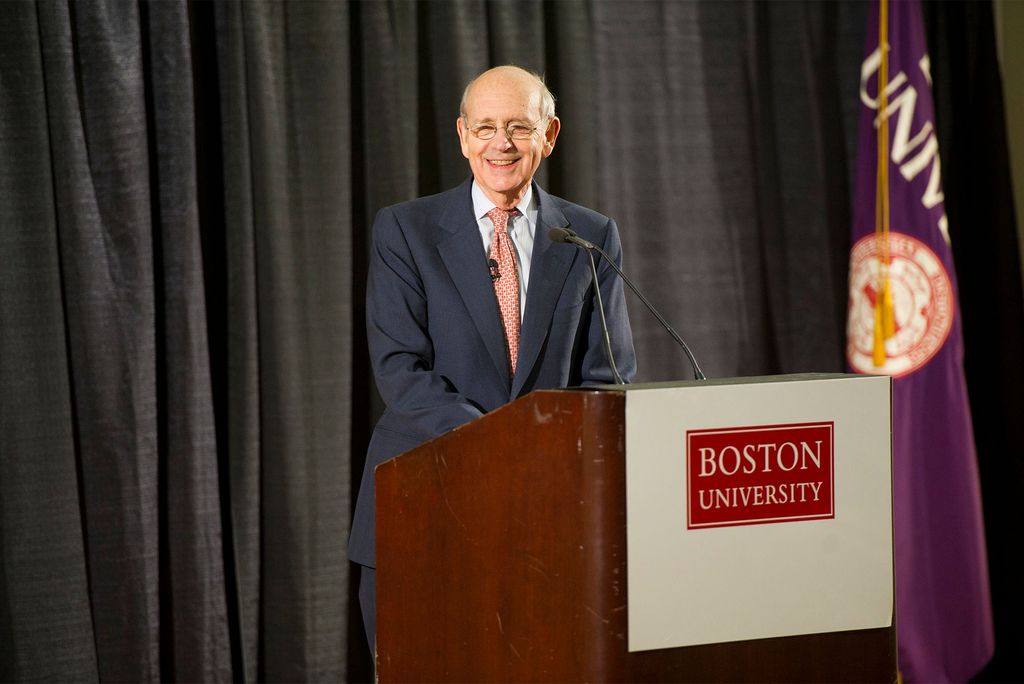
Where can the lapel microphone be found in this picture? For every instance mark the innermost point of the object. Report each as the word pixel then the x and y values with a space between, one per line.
pixel 493 266
pixel 566 235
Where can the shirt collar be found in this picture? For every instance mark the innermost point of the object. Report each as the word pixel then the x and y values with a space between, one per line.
pixel 482 204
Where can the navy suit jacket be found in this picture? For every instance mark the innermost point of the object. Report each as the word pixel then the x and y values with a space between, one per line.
pixel 434 329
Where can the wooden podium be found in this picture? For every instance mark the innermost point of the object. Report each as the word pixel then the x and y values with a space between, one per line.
pixel 501 556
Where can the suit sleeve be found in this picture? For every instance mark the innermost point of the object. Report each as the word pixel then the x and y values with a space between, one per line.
pixel 596 370
pixel 401 350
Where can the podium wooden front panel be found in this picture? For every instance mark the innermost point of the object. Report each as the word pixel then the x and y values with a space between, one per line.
pixel 501 556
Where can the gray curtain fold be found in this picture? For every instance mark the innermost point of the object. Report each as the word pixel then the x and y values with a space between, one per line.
pixel 570 74
pixel 93 72
pixel 187 193
pixel 288 228
pixel 144 562
pixel 45 617
pixel 687 237
pixel 241 354
pixel 734 213
pixel 798 90
pixel 194 620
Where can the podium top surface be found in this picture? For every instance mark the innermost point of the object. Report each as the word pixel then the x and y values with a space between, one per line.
pixel 718 382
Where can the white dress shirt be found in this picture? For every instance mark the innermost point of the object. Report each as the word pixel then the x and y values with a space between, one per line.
pixel 521 231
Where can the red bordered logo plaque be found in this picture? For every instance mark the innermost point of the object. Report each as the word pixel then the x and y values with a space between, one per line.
pixel 758 475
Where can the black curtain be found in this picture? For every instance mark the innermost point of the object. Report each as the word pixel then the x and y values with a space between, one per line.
pixel 982 226
pixel 185 197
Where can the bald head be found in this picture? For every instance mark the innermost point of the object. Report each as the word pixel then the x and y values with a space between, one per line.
pixel 509 77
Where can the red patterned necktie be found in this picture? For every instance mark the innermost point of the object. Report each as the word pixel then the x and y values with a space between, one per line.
pixel 505 275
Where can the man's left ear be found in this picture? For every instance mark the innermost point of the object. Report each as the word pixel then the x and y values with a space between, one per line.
pixel 550 134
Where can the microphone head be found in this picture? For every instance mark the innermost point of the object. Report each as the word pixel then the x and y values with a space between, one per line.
pixel 560 234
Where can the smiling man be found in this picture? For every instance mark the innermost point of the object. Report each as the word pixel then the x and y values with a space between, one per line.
pixel 507 125
pixel 469 304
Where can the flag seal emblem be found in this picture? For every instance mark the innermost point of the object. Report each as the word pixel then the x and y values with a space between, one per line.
pixel 923 304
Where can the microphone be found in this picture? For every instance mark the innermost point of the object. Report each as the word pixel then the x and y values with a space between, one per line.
pixel 493 266
pixel 570 237
pixel 566 235
pixel 562 235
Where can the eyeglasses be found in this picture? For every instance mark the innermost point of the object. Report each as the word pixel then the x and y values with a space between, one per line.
pixel 513 131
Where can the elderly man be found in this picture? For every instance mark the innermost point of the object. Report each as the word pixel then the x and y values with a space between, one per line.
pixel 469 304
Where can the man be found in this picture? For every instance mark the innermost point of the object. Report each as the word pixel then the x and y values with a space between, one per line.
pixel 469 304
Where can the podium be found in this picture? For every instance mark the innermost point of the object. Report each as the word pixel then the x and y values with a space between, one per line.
pixel 506 548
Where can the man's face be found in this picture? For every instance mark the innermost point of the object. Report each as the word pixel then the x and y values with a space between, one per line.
pixel 503 167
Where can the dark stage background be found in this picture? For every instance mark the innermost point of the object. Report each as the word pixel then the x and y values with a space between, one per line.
pixel 185 197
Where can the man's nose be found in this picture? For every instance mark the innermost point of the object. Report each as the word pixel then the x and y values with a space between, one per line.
pixel 502 141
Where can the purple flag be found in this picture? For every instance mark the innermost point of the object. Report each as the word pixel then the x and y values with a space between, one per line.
pixel 943 613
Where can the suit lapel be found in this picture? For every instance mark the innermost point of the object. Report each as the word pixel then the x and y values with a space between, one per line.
pixel 548 270
pixel 462 252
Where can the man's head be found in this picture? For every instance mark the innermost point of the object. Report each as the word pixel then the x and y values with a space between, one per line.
pixel 515 110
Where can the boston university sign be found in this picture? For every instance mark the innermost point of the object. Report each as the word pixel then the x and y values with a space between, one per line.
pixel 746 496
pixel 750 475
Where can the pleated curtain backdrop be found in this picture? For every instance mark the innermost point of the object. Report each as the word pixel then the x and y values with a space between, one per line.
pixel 186 191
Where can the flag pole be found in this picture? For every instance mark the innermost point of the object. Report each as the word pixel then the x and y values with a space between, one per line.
pixel 885 324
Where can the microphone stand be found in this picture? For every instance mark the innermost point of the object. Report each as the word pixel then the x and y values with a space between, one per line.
pixel 566 235
pixel 604 322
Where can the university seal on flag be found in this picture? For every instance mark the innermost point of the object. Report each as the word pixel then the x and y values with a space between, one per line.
pixel 923 304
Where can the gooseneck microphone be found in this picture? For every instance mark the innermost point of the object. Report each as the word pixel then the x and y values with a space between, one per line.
pixel 604 323
pixel 566 235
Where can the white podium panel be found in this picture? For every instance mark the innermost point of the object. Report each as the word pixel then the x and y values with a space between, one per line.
pixel 758 507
